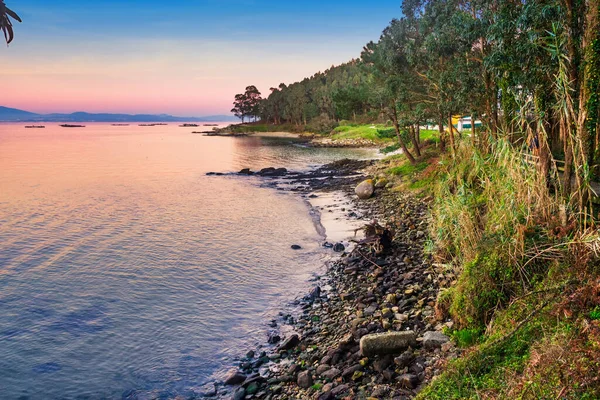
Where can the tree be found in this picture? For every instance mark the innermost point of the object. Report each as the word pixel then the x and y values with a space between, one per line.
pixel 5 23
pixel 247 104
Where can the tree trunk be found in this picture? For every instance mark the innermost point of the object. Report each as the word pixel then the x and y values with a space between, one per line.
pixel 451 136
pixel 400 140
pixel 442 135
pixel 413 138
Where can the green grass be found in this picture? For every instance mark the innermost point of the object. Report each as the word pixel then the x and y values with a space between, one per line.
pixel 367 132
pixel 407 169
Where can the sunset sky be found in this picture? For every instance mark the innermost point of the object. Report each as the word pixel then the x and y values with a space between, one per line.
pixel 178 57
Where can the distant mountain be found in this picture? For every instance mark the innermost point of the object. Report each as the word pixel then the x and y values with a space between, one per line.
pixel 12 114
pixel 15 115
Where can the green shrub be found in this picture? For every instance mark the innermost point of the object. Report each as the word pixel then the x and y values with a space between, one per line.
pixel 390 148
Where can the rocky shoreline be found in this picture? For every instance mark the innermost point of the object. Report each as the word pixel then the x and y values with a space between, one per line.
pixel 368 328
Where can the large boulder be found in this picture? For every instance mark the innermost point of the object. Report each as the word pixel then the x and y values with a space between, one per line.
pixel 386 343
pixel 365 189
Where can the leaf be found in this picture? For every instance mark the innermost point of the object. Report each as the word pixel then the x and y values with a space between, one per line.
pixel 13 14
pixel 10 34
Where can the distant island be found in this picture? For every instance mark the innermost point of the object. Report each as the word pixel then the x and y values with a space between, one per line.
pixel 15 115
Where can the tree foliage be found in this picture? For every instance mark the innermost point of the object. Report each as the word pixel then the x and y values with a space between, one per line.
pixel 5 21
pixel 246 105
pixel 528 69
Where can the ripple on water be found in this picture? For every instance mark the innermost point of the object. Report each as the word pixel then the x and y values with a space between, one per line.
pixel 123 266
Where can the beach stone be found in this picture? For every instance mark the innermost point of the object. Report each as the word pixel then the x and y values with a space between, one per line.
pixel 405 359
pixel 305 379
pixel 326 395
pixel 386 343
pixel 408 381
pixel 234 377
pixel 331 373
pixel 434 340
pixel 381 183
pixel 339 390
pixel 290 342
pixel 252 388
pixel 365 189
pixel 239 394
pixel 322 368
pixel 296 247
pixel 274 338
pixel 339 247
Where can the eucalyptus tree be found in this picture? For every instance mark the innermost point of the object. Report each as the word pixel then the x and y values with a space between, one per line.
pixel 5 21
pixel 392 74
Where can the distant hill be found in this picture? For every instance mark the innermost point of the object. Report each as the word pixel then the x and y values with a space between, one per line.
pixel 15 115
pixel 12 114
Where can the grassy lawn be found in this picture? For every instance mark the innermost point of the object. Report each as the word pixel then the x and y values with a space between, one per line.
pixel 367 132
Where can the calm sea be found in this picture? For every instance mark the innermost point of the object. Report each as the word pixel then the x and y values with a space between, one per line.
pixel 124 267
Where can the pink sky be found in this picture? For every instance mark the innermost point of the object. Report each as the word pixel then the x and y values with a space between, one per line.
pixel 185 77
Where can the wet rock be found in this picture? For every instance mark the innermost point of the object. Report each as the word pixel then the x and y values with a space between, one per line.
pixel 239 394
pixel 339 247
pixel 296 247
pixel 386 343
pixel 245 171
pixel 315 293
pixel 274 338
pixel 208 390
pixel 234 377
pixel 290 343
pixel 272 172
pixel 365 189
pixel 305 379
pixel 434 340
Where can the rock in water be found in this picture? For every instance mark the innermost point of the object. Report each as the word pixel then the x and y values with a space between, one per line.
pixel 239 394
pixel 245 171
pixel 365 189
pixel 338 247
pixel 386 343
pixel 305 380
pixel 234 377
pixel 434 340
pixel 296 247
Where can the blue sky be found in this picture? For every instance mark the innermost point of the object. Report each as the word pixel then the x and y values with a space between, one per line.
pixel 181 57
